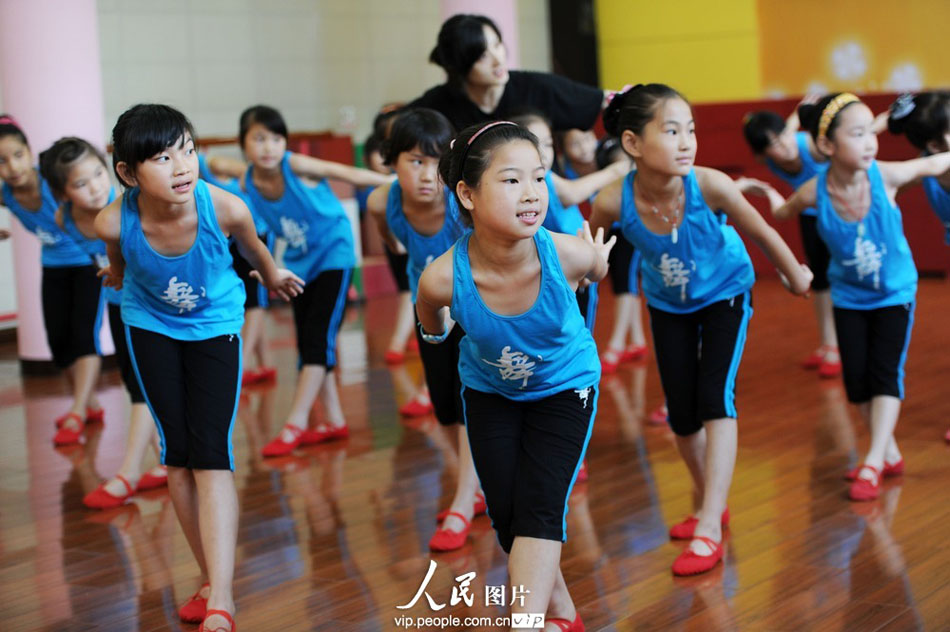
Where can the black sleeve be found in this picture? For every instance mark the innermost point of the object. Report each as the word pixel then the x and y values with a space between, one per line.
pixel 454 105
pixel 568 103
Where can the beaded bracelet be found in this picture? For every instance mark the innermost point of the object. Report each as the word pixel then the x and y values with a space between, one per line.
pixel 433 338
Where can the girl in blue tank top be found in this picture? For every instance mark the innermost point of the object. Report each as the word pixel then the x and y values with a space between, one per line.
pixel 873 277
pixel 418 212
pixel 78 175
pixel 697 278
pixel 792 156
pixel 925 119
pixel 69 290
pixel 320 250
pixel 564 195
pixel 182 302
pixel 528 365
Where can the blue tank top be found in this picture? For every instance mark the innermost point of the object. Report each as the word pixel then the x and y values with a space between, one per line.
pixel 810 168
pixel 230 185
pixel 58 249
pixel 529 356
pixel 311 220
pixel 871 264
pixel 939 199
pixel 708 263
pixel 560 218
pixel 95 249
pixel 422 249
pixel 192 296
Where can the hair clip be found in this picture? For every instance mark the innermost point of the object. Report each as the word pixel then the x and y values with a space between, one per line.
pixel 452 144
pixel 8 120
pixel 903 106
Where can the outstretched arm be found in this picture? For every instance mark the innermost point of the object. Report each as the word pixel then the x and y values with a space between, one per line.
pixel 722 193
pixel 899 174
pixel 222 166
pixel 434 296
pixel 317 168
pixel 376 205
pixel 109 227
pixel 575 191
pixel 606 207
pixel 583 259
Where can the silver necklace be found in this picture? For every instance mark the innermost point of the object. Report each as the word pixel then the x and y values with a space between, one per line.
pixel 674 232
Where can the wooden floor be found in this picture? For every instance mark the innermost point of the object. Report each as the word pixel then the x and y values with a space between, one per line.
pixel 335 536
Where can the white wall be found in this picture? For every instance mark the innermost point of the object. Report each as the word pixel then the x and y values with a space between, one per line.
pixel 308 58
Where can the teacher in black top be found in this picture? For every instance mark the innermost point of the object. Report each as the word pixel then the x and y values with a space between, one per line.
pixel 480 87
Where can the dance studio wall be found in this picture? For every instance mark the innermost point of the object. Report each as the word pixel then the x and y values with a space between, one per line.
pixel 325 64
pixel 753 49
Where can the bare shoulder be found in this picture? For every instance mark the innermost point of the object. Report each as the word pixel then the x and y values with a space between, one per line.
pixel 611 196
pixel 109 221
pixel 435 284
pixel 714 183
pixel 376 203
pixel 228 207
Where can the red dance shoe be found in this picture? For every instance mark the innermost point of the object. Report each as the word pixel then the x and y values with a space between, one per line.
pixel 889 469
pixel 478 509
pixel 416 407
pixel 447 540
pixel 267 374
pixel 279 447
pixel 828 370
pixel 329 433
pixel 221 613
pixel 248 377
pixel 394 357
pixel 582 474
pixel 577 625
pixel 690 563
pixel 94 415
pixel 413 345
pixel 69 435
pixel 659 417
pixel 633 353
pixel 610 360
pixel 152 481
pixel 816 358
pixel 193 610
pixel 684 530
pixel 946 437
pixel 100 498
pixel 863 489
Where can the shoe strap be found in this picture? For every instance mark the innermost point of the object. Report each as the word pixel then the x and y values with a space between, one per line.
pixel 712 544
pixel 197 594
pixel 125 481
pixel 460 517
pixel 220 613
pixel 294 430
pixel 564 624
pixel 877 474
pixel 76 416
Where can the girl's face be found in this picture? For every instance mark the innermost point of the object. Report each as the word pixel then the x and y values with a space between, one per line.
pixel 88 184
pixel 16 162
pixel 853 143
pixel 418 175
pixel 545 141
pixel 667 143
pixel 491 69
pixel 782 147
pixel 580 146
pixel 511 198
pixel 263 148
pixel 170 175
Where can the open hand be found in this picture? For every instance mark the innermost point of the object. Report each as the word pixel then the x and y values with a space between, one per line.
pixel 110 278
pixel 802 282
pixel 597 241
pixel 285 283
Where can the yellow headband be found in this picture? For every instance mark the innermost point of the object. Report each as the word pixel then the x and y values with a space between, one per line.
pixel 831 110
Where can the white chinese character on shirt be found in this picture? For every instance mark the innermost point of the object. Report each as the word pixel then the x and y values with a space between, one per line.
pixel 295 233
pixel 102 261
pixel 46 238
pixel 514 365
pixel 181 295
pixel 675 273
pixel 868 260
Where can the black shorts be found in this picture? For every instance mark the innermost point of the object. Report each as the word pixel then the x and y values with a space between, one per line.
pixel 255 294
pixel 816 252
pixel 698 356
pixel 72 312
pixel 623 265
pixel 873 346
pixel 398 266
pixel 527 455
pixel 192 389
pixel 318 312
pixel 117 327
pixel 440 363
pixel 587 303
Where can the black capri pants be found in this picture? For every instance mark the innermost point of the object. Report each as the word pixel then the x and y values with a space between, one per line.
pixel 398 264
pixel 527 455
pixel 318 312
pixel 192 388
pixel 816 252
pixel 624 266
pixel 440 363
pixel 698 356
pixel 873 345
pixel 72 312
pixel 117 327
pixel 255 294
